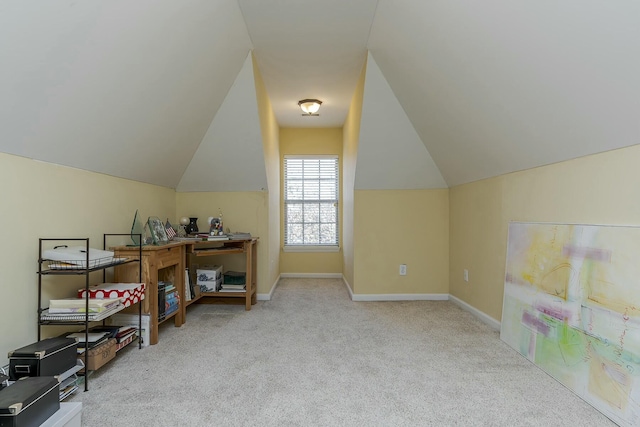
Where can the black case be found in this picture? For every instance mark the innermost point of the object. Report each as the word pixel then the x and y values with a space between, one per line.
pixel 29 402
pixel 49 357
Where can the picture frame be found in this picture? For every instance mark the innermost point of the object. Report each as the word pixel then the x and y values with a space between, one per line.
pixel 215 227
pixel 158 232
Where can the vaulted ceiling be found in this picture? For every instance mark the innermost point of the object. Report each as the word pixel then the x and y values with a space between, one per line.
pixel 162 92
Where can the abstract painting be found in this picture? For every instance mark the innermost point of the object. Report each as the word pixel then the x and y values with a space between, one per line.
pixel 572 306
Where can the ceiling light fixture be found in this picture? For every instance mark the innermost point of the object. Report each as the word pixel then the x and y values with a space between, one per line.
pixel 310 107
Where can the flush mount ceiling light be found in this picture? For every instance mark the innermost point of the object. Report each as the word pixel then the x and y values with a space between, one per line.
pixel 310 107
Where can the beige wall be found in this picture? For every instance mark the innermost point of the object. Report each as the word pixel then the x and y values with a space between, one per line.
pixel 478 243
pixel 45 200
pixel 394 227
pixel 598 189
pixel 241 211
pixel 310 141
pixel 271 141
pixel 350 137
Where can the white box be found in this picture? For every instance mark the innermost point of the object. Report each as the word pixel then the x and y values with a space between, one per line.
pixel 211 286
pixel 210 277
pixel 69 415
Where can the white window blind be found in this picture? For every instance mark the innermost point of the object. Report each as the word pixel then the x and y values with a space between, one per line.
pixel 311 200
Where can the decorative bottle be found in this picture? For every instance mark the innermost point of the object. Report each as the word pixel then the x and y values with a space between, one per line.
pixel 192 227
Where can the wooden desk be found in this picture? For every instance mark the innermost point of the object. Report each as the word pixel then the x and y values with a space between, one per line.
pixel 228 247
pixel 159 263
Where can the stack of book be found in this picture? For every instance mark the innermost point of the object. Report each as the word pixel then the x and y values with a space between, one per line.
pixel 123 334
pixel 171 299
pixel 212 238
pixel 94 339
pixel 126 340
pixel 79 305
pixel 240 235
pixel 168 300
pixel 72 309
pixel 233 281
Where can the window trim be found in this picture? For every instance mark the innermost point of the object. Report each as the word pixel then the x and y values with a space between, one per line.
pixel 331 247
pixel 311 248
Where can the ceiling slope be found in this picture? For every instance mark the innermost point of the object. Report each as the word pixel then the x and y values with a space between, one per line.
pixel 231 156
pixel 493 87
pixel 122 88
pixel 309 49
pixel 391 155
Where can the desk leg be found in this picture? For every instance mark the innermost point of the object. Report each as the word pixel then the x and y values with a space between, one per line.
pixel 179 283
pixel 248 248
pixel 254 271
pixel 153 306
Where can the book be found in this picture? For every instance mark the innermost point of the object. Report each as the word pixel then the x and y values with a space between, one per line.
pixel 126 337
pixel 93 336
pixel 125 342
pixel 232 286
pixel 217 238
pixel 187 285
pixel 124 331
pixel 240 235
pixel 171 309
pixel 172 301
pixel 112 331
pixel 187 239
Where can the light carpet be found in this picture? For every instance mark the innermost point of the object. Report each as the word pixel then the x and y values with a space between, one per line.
pixel 313 357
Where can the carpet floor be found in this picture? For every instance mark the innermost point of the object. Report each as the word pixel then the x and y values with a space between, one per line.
pixel 313 357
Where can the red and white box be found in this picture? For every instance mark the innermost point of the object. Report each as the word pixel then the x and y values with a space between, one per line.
pixel 129 293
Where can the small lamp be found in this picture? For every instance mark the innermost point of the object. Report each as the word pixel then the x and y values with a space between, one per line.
pixel 310 107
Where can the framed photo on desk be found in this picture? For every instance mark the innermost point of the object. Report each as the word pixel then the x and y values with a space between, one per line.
pixel 158 232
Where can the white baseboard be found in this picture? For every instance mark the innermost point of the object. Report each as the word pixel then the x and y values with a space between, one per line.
pixel 393 297
pixel 399 297
pixel 344 280
pixel 267 297
pixel 479 314
pixel 495 324
pixel 312 275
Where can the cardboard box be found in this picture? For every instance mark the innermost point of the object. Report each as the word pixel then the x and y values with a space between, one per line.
pixel 100 355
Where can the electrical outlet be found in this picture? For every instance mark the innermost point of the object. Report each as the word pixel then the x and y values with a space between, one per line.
pixel 466 275
pixel 403 269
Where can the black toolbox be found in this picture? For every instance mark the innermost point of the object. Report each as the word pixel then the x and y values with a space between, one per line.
pixel 49 357
pixel 29 402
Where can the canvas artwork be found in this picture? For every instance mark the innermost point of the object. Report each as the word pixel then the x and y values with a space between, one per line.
pixel 572 307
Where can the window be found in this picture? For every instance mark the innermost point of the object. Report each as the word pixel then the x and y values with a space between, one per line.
pixel 311 202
